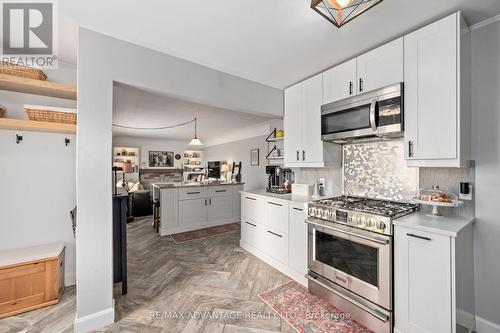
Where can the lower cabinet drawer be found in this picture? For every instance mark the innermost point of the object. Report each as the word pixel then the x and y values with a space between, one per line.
pixel 277 215
pixel 252 208
pixel 250 233
pixel 193 192
pixel 220 191
pixel 274 243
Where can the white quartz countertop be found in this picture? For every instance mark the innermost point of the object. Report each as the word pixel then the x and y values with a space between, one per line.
pixel 286 197
pixel 445 225
pixel 29 254
pixel 183 184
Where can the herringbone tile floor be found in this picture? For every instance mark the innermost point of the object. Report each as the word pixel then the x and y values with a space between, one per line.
pixel 208 286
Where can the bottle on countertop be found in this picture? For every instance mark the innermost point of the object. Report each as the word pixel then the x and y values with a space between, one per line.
pixel 321 187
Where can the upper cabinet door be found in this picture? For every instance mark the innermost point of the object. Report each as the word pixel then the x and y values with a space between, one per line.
pixel 381 67
pixel 430 62
pixel 292 124
pixel 339 82
pixel 312 146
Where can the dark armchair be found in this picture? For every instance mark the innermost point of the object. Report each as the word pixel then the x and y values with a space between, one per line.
pixel 141 204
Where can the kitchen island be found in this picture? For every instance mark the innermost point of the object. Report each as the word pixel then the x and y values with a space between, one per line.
pixel 192 206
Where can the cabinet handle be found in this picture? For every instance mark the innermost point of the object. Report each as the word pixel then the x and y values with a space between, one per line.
pixel 193 193
pixel 249 198
pixel 205 202
pixel 275 234
pixel 299 209
pixel 273 203
pixel 298 155
pixel 350 87
pixel 218 191
pixel 253 225
pixel 419 237
pixel 360 84
pixel 210 201
pixel 410 148
pixel 303 155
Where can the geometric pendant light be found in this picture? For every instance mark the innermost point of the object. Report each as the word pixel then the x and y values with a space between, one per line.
pixel 340 12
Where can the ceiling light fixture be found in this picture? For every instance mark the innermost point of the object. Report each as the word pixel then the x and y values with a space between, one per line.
pixel 339 12
pixel 195 141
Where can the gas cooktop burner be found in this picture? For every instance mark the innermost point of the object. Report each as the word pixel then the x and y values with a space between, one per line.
pixel 367 205
pixel 363 213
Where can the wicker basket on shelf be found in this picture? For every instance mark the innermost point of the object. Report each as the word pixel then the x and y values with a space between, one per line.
pixel 2 111
pixel 49 114
pixel 22 71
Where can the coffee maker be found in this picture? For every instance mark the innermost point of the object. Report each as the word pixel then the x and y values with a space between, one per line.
pixel 279 179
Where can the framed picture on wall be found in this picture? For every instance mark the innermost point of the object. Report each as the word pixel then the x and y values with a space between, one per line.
pixel 161 159
pixel 254 157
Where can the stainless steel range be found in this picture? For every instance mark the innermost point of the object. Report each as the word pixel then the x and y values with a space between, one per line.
pixel 350 256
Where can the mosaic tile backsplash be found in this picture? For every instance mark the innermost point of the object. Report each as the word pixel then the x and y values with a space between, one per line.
pixel 378 170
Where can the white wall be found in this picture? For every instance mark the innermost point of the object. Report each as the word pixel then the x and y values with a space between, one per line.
pixel 102 61
pixel 147 144
pixel 38 178
pixel 253 176
pixel 38 191
pixel 486 153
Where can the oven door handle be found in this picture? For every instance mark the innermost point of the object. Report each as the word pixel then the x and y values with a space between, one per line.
pixel 371 239
pixel 373 312
pixel 373 108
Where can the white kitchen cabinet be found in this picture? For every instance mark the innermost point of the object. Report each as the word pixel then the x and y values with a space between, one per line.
pixel 312 145
pixel 380 67
pixel 437 94
pixel 193 212
pixel 274 244
pixel 433 280
pixel 268 235
pixel 192 192
pixel 252 208
pixel 292 124
pixel 250 233
pixel 237 201
pixel 340 82
pixel 298 238
pixel 276 215
pixel 302 123
pixel 196 207
pixel 220 208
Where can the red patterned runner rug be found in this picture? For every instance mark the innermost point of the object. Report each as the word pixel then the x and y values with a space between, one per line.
pixel 307 313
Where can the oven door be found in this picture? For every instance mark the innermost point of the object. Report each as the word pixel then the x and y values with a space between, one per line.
pixel 355 259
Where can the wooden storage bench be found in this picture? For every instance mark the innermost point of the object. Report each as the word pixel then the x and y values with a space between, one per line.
pixel 30 278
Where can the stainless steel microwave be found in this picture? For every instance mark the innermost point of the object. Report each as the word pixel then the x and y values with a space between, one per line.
pixel 372 115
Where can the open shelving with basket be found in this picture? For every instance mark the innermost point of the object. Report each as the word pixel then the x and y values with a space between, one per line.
pixel 37 87
pixel 36 126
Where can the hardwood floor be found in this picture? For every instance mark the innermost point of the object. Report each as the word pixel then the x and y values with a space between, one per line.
pixel 207 286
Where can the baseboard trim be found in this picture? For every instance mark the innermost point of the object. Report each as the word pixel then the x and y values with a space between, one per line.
pixel 466 319
pixel 95 321
pixel 70 279
pixel 285 269
pixel 485 326
pixel 177 230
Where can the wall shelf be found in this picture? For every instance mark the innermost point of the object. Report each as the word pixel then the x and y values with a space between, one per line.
pixel 37 87
pixel 36 126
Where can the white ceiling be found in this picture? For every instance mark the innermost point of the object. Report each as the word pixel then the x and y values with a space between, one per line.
pixel 139 108
pixel 275 42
